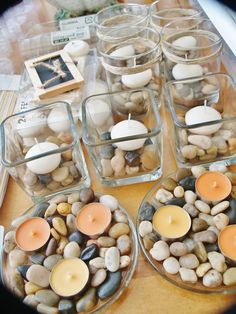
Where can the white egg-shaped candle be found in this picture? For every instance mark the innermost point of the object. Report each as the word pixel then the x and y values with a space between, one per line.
pixel 137 80
pixel 202 114
pixel 77 48
pixel 58 120
pixel 129 128
pixel 126 51
pixel 99 111
pixel 32 125
pixel 185 42
pixel 45 164
pixel 184 71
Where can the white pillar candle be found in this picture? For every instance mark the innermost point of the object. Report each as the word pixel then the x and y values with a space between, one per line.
pixel 31 125
pixel 201 114
pixel 58 120
pixel 184 71
pixel 99 111
pixel 126 51
pixel 185 42
pixel 45 164
pixel 137 80
pixel 129 128
pixel 77 48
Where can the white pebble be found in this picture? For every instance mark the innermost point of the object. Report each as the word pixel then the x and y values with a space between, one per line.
pixel 212 279
pixel 201 141
pixel 202 207
pixel 221 221
pixel 188 275
pixel 215 166
pixel 217 261
pixel 219 208
pixel 163 195
pixel 145 227
pixel 110 201
pixel 160 251
pixel 197 171
pixel 190 197
pixel 179 191
pixel 203 269
pixel 171 265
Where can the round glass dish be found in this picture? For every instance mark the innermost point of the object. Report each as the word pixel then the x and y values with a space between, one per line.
pixel 158 266
pixel 126 274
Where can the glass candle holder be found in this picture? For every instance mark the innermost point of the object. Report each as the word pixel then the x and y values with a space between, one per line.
pixel 163 12
pixel 133 63
pixel 41 150
pixel 203 112
pixel 119 16
pixel 125 146
pixel 191 47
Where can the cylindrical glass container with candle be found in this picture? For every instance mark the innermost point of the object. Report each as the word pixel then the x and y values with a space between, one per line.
pixel 163 12
pixel 203 112
pixel 41 150
pixel 119 16
pixel 133 62
pixel 123 135
pixel 191 47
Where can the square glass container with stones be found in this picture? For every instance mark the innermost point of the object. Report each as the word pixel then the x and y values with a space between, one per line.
pixel 124 142
pixel 203 112
pixel 133 61
pixel 41 150
pixel 191 47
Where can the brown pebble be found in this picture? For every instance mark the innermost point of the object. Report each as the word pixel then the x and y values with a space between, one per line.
pixel 86 195
pixel 51 247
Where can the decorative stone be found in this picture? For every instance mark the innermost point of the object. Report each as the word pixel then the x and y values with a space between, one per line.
pixel 59 225
pixel 71 223
pixel 211 247
pixel 229 276
pixel 201 141
pixel 190 197
pixel 160 251
pixel 73 198
pixel 71 250
pixel 55 235
pixel 191 209
pixel 60 174
pixel 38 275
pixel 218 167
pixel 190 244
pixel 51 260
pixel 51 247
pixel 200 252
pixel 178 249
pixel 176 201
pixel 197 171
pixel 30 300
pixel 9 241
pixel 60 198
pixel 17 258
pixel 163 195
pixel 179 192
pixel 99 277
pixel 118 229
pixel 47 296
pixel 107 170
pixel 199 225
pixel 112 259
pixel 44 309
pixel 120 216
pixel 148 241
pixel 40 210
pixel 31 288
pixel 132 158
pixel 188 275
pixel 77 237
pixel 110 201
pixel 17 284
pixel 51 210
pixel 202 207
pixel 22 269
pixel 66 307
pixel 189 261
pixel 169 184
pixel 76 207
pixel 125 260
pixel 106 241
pixel 29 178
pixel 188 183
pixel 205 236
pixel 145 227
pixel 182 173
pixel 97 262
pixel 212 279
pixel 217 261
pixel 86 195
pixel 171 265
pixel 124 244
pixel 189 151
pixel 221 221
pixel 64 209
pixel 89 253
pixel 61 245
pixel 231 211
pixel 219 208
pixel 110 286
pixel 44 179
pixel 203 269
pixel 149 160
pixel 207 218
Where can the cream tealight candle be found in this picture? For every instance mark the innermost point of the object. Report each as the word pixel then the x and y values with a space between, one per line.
pixel 202 114
pixel 129 128
pixel 45 164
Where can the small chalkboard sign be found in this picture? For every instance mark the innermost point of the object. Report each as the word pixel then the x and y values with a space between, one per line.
pixel 53 74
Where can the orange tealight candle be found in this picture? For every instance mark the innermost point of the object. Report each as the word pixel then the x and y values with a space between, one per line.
pixel 227 242
pixel 32 234
pixel 213 186
pixel 69 277
pixel 171 221
pixel 93 219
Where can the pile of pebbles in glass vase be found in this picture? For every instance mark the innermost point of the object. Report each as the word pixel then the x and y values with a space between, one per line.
pixel 71 254
pixel 187 227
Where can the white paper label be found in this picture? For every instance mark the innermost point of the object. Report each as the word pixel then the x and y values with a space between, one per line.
pixel 76 22
pixel 63 37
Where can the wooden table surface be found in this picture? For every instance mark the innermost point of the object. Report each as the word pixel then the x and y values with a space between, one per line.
pixel 148 292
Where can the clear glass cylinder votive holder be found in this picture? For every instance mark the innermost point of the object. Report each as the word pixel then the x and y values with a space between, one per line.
pixel 191 47
pixel 119 16
pixel 163 12
pixel 42 152
pixel 133 63
pixel 125 146
pixel 203 112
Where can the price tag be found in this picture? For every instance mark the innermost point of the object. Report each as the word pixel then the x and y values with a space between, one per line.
pixel 77 22
pixel 63 37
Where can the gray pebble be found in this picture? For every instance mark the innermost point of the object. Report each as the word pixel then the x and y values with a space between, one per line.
pixel 51 260
pixel 88 301
pixel 9 241
pixel 47 296
pixel 110 286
